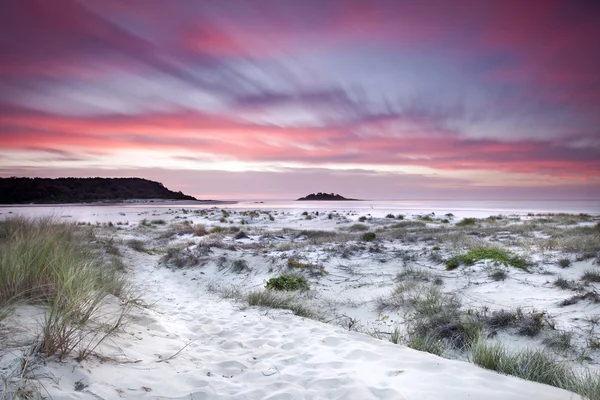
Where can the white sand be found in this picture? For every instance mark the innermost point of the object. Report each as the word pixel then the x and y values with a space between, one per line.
pixel 190 344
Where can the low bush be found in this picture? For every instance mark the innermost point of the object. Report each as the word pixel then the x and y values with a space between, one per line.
pixel 501 256
pixel 137 245
pixel 467 222
pixel 282 300
pixel 287 282
pixel 564 262
pixel 591 276
pixel 358 228
pixel 498 275
pixel 452 263
pixel 368 236
pixel 240 265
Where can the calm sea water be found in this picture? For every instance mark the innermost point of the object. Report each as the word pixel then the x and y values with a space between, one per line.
pixel 460 208
pixel 441 206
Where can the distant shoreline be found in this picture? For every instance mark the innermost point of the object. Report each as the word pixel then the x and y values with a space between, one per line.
pixel 156 202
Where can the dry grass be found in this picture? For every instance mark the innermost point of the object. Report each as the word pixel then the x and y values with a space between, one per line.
pixel 52 263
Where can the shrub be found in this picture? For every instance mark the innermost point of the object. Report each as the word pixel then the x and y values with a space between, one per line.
pixel 158 222
pixel 563 283
pixel 137 245
pixel 358 228
pixel 591 276
pixel 200 230
pixel 467 222
pixel 390 216
pixel 362 218
pixel 452 263
pixel 239 265
pixel 368 237
pixel 491 253
pixel 498 275
pixel 241 235
pixel 281 300
pixel 564 262
pixel 287 282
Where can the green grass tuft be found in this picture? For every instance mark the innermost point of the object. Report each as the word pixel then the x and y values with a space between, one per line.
pixel 287 282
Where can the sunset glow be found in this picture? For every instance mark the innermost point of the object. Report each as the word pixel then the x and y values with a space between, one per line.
pixel 271 99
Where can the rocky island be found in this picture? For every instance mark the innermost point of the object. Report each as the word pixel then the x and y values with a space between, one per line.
pixel 325 197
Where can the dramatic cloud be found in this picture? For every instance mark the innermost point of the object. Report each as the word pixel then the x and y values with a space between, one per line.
pixel 468 91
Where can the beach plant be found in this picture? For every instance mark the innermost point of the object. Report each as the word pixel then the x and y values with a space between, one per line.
pixel 537 366
pixel 240 265
pixel 452 263
pixel 498 275
pixel 368 236
pixel 563 283
pixel 137 245
pixel 530 364
pixel 591 275
pixel 564 262
pixel 498 255
pixel 241 235
pixel 358 228
pixel 285 300
pixel 288 282
pixel 467 222
pixel 53 263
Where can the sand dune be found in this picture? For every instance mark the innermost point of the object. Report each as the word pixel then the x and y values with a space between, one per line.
pixel 191 344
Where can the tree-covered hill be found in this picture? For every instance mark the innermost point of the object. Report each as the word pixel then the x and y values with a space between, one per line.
pixel 82 190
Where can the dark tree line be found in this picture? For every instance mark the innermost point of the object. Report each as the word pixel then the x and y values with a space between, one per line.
pixel 82 190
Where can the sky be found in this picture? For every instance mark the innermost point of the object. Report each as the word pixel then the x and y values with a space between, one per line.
pixel 275 99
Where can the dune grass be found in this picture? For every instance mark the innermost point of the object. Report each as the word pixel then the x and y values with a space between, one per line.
pixel 498 255
pixel 51 263
pixel 537 366
pixel 284 300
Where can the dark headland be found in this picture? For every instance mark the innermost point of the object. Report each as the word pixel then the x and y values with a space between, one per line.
pixel 325 197
pixel 83 190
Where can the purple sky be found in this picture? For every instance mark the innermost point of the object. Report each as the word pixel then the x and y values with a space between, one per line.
pixel 385 99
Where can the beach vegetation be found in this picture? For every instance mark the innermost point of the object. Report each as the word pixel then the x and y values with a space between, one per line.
pixel 358 228
pixel 591 275
pixel 53 263
pixel 467 222
pixel 368 236
pixel 284 300
pixel 288 282
pixel 564 262
pixel 240 265
pixel 498 275
pixel 537 366
pixel 137 245
pixel 498 255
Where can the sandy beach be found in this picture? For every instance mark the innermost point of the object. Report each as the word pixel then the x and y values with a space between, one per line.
pixel 195 333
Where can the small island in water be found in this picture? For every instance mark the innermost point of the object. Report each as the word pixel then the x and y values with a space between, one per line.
pixel 83 190
pixel 325 197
